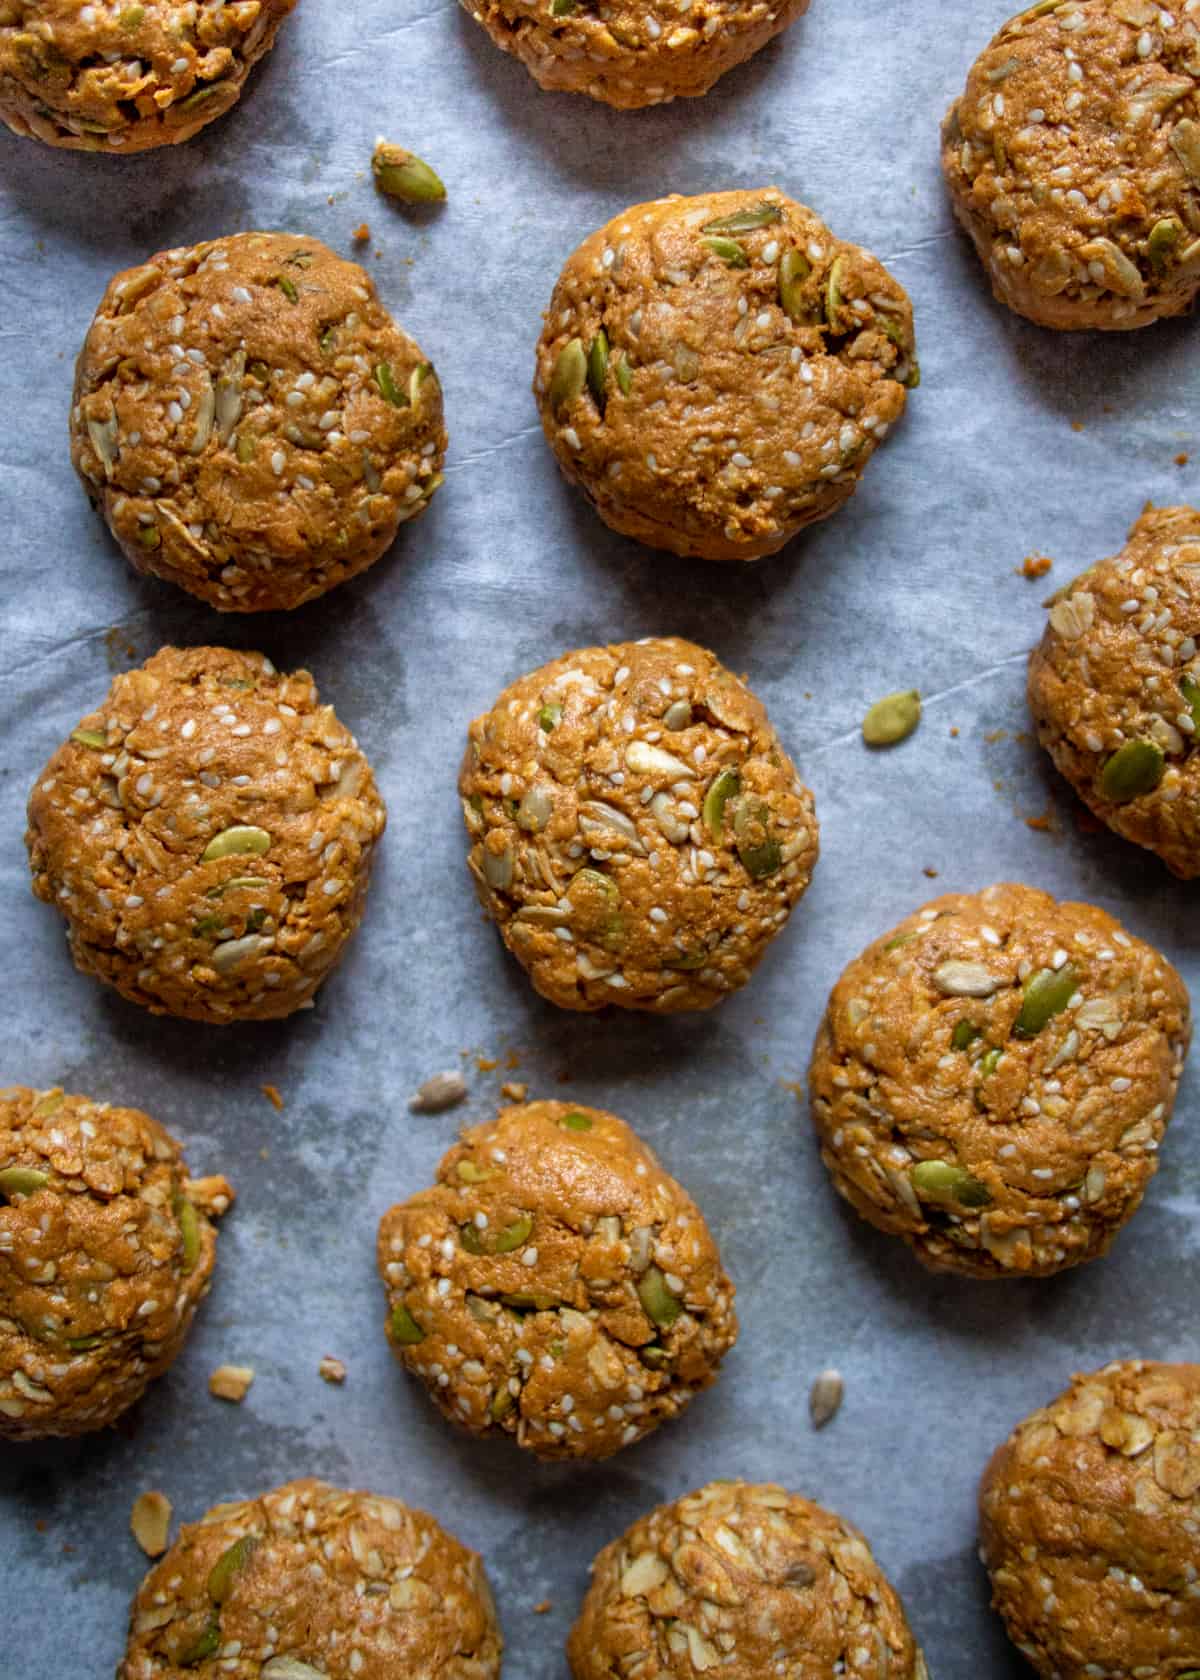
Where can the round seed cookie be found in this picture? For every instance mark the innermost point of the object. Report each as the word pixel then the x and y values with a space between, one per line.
pixel 1073 161
pixel 638 834
pixel 1114 687
pixel 716 372
pixel 251 422
pixel 992 1080
pixel 308 1582
pixel 124 78
pixel 556 1285
pixel 1089 1515
pixel 642 55
pixel 729 1578
pixel 207 833
pixel 106 1251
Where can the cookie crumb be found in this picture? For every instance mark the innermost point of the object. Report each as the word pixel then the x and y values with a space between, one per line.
pixel 440 1092
pixel 213 1195
pixel 514 1090
pixel 486 1064
pixel 1181 460
pixel 1043 824
pixel 1035 566
pixel 362 233
pixel 332 1370
pixel 150 1522
pixel 544 1608
pixel 271 1092
pixel 231 1382
pixel 954 732
pixel 932 873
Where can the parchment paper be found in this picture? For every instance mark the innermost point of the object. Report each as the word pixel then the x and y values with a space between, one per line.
pixel 1018 440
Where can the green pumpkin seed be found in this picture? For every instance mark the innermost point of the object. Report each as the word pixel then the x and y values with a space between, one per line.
pixel 22 1181
pixel 745 221
pixel 901 940
pixel 470 1238
pixel 253 883
pixel 597 368
pixel 416 380
pixel 570 374
pixel 654 1356
pixel 247 447
pixel 1047 994
pixel 514 1236
pixel 1164 236
pixel 189 1230
pixel 624 375
pixel 728 250
pixel 131 17
pixel 287 287
pixel 912 368
pixel 83 1344
pixel 563 8
pixel 149 536
pixel 228 1566
pixel 597 912
pixel 794 270
pixel 470 1173
pixel 964 1035
pixel 90 737
pixel 576 1122
pixel 833 291
pixel 528 1302
pixel 757 847
pixel 1134 769
pixel 502 1404
pixel 1190 689
pixel 938 1181
pixel 403 1327
pixel 206 1646
pixel 389 390
pixel 892 719
pixel 661 1307
pixel 725 786
pixel 989 1061
pixel 236 842
pixel 402 174
pixel 549 718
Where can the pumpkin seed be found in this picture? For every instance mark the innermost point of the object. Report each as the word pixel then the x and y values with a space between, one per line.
pixel 892 719
pixel 757 847
pixel 833 291
pixel 469 1237
pixel 563 8
pixel 252 883
pixel 287 287
pixel 90 737
pixel 549 718
pixel 189 1230
pixel 236 842
pixel 205 1646
pixel 1133 770
pixel 529 1301
pixel 728 250
pixel 514 1236
pixel 725 786
pixel 386 381
pixel 471 1173
pixel 624 375
pixel 502 1404
pixel 22 1181
pixel 576 1122
pixel 403 1327
pixel 1185 143
pixel 901 940
pixel 402 174
pixel 939 1181
pixel 597 368
pixel 1190 689
pixel 1164 236
pixel 1047 994
pixel 988 1062
pixel 745 221
pixel 661 1307
pixel 570 374
pixel 228 1566
pixel 964 1035
pixel 794 270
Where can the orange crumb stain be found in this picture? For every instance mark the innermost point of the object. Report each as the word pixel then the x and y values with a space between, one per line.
pixel 1036 566
pixel 362 233
pixel 271 1092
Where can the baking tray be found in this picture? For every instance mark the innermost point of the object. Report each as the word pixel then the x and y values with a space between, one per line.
pixel 1018 440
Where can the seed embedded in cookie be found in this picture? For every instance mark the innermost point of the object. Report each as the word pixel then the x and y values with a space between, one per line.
pixel 556 1285
pixel 1114 687
pixel 124 78
pixel 716 372
pixel 993 1078
pixel 309 1582
pixel 250 421
pixel 640 56
pixel 207 833
pixel 727 1578
pixel 1073 161
pixel 638 833
pixel 1089 1515
pixel 107 1249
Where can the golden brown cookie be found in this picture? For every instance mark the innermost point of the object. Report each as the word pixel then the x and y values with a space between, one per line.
pixel 251 422
pixel 1073 161
pixel 122 78
pixel 308 1582
pixel 207 833
pixel 642 54
pixel 1090 1514
pixel 556 1285
pixel 1115 687
pixel 993 1078
pixel 106 1251
pixel 638 834
pixel 730 1577
pixel 716 372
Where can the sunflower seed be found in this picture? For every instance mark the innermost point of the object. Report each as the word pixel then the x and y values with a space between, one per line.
pixel 825 1398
